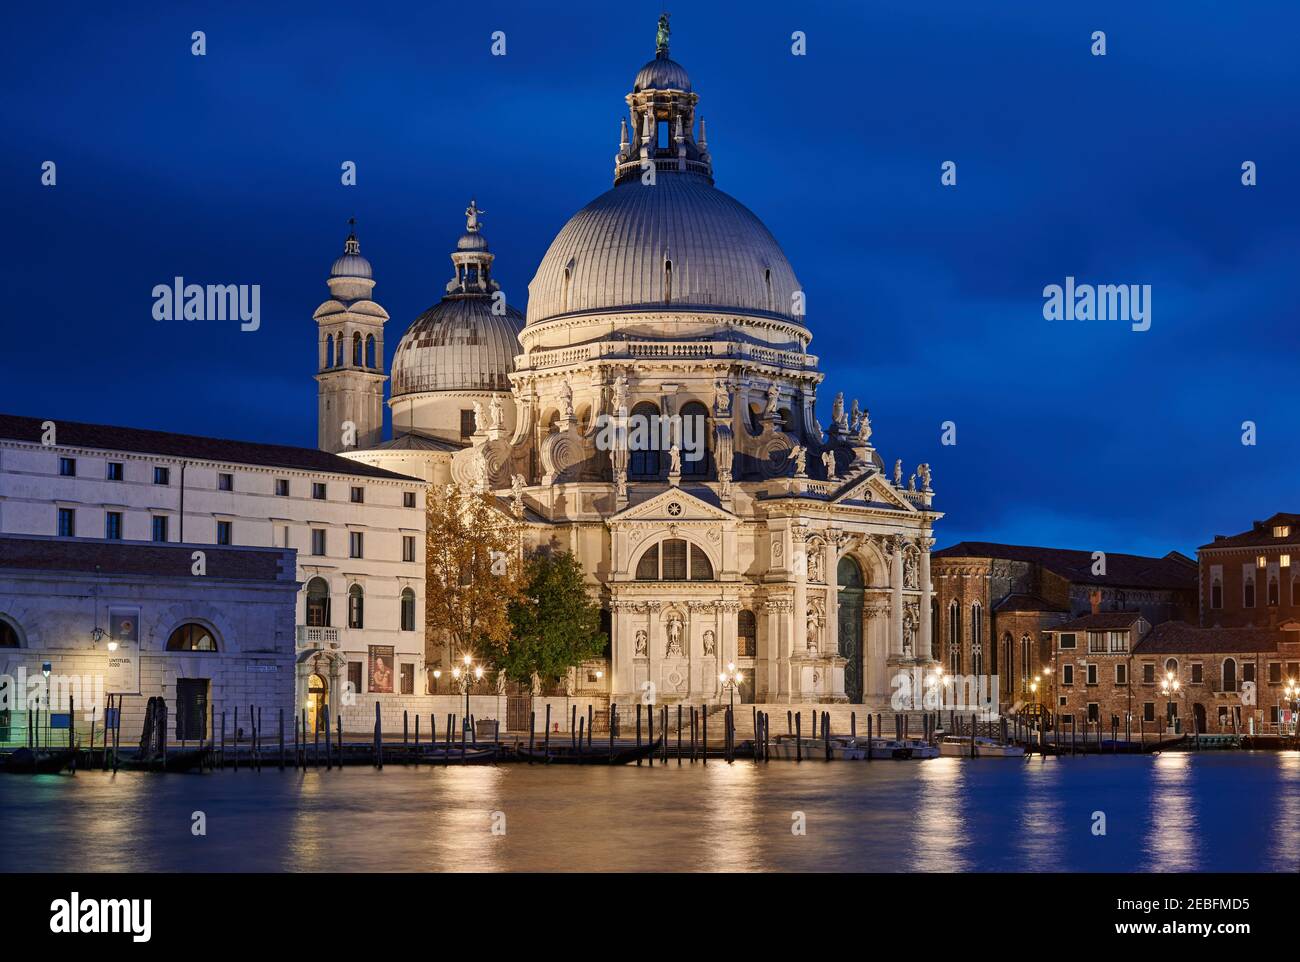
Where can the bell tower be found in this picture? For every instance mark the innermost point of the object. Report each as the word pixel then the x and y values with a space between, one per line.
pixel 350 356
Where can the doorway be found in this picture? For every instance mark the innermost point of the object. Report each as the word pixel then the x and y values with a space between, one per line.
pixel 317 701
pixel 191 709
pixel 849 576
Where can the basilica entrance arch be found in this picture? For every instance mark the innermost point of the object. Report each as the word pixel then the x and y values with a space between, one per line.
pixel 849 578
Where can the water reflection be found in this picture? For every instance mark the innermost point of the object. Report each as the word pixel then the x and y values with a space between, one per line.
pixel 1171 843
pixel 1041 835
pixel 1283 840
pixel 940 825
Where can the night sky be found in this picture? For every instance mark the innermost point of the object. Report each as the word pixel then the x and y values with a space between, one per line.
pixel 924 301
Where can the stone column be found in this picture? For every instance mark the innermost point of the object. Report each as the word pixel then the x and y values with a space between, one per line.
pixel 622 646
pixel 926 642
pixel 896 600
pixel 830 571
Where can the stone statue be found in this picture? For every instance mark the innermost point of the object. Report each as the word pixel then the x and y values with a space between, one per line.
pixel 675 460
pixel 536 684
pixel 773 395
pixel 517 494
pixel 864 427
pixel 911 483
pixel 673 629
pixel 799 455
pixel 472 214
pixel 661 36
pixel 909 572
pixel 924 470
pixel 837 410
pixel 721 399
pixel 828 462
pixel 478 417
pixel 642 642
pixel 898 473
pixel 709 642
pixel 855 416
pixel 501 682
pixel 815 564
pixel 495 413
pixel 812 631
pixel 620 394
pixel 566 400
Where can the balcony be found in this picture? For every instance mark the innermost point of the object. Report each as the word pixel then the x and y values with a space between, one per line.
pixel 315 636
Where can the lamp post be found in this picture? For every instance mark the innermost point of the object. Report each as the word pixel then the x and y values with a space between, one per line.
pixel 730 679
pixel 1169 688
pixel 936 683
pixel 466 674
pixel 1292 692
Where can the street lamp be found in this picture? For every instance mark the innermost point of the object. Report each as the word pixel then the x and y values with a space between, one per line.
pixel 936 683
pixel 1292 691
pixel 1169 688
pixel 730 679
pixel 465 676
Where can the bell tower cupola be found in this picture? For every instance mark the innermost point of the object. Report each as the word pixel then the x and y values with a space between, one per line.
pixel 350 355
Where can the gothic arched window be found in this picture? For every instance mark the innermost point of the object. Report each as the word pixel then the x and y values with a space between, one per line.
pixel 698 433
pixel 191 637
pixel 954 638
pixel 976 640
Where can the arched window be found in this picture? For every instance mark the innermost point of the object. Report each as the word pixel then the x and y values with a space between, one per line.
pixel 318 603
pixel 668 561
pixel 643 443
pixel 668 281
pixel 695 430
pixel 767 280
pixel 1025 653
pixel 564 294
pixel 191 637
pixel 1229 674
pixel 358 359
pixel 356 607
pixel 8 637
pixel 954 638
pixel 976 640
pixel 329 350
pixel 747 631
pixel 370 351
pixel 338 360
pixel 408 609
pixel 1172 666
pixel 1008 663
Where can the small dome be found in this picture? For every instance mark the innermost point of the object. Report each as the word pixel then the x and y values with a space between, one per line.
pixel 458 345
pixel 662 74
pixel 472 241
pixel 352 265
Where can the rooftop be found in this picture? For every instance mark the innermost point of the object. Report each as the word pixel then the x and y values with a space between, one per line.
pixel 1175 637
pixel 141 441
pixel 1174 570
pixel 147 558
pixel 1261 533
pixel 1102 621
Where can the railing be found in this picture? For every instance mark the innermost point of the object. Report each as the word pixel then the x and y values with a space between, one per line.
pixel 317 635
pixel 669 349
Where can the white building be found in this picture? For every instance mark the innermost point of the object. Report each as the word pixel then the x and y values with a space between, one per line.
pixel 358 534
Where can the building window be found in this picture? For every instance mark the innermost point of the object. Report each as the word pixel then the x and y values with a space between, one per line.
pixel 355 544
pixel 358 494
pixel 1229 674
pixel 408 679
pixel 1282 531
pixel 1248 671
pixel 698 417
pixel 1067 720
pixel 747 630
pixel 1248 594
pixel 1148 673
pixel 160 527
pixel 114 471
pixel 1274 591
pixel 162 476
pixel 1260 561
pixel 1171 665
pixel 67 523
pixel 225 482
pixel 1284 561
pixel 68 467
pixel 1275 673
pixel 667 561
pixel 408 609
pixel 1093 715
pixel 318 542
pixel 354 676
pixel 408 547
pixel 282 487
pixel 191 637
pixel 1069 640
pixel 318 603
pixel 1121 674
pixel 1092 674
pixel 1149 711
pixel 113 525
pixel 224 532
pixel 1216 594
pixel 1067 675
pixel 356 607
pixel 1198 673
pixel 358 357
pixel 318 490
pixel 643 459
pixel 954 638
pixel 467 425
pixel 976 640
pixel 408 499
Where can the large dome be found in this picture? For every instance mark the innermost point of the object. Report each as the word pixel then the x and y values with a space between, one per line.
pixel 457 345
pixel 680 243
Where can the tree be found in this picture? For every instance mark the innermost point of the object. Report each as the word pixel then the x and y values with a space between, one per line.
pixel 473 565
pixel 555 624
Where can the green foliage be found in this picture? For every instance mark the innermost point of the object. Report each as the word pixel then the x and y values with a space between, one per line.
pixel 554 624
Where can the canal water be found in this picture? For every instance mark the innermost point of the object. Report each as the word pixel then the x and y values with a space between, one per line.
pixel 1176 812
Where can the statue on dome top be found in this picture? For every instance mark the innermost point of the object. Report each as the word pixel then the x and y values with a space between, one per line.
pixel 472 214
pixel 661 37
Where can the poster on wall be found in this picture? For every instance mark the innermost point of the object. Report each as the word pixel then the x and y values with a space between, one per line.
pixel 122 675
pixel 381 669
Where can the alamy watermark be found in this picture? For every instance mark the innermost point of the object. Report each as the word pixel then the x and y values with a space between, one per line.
pixel 1098 302
pixel 209 302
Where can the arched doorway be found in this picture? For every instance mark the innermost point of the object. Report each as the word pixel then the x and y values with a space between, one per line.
pixel 317 700
pixel 1198 717
pixel 849 577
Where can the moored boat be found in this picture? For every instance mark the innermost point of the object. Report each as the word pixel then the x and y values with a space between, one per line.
pixel 24 761
pixel 959 746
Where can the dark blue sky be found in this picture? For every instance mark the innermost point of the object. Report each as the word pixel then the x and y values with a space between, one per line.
pixel 925 301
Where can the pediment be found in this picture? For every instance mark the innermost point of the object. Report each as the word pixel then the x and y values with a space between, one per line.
pixel 673 506
pixel 873 487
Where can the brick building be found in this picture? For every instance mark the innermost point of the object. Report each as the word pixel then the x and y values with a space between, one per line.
pixel 1248 580
pixel 993 604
